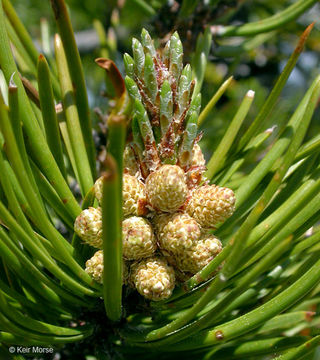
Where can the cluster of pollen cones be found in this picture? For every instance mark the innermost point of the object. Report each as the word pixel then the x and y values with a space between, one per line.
pixel 168 206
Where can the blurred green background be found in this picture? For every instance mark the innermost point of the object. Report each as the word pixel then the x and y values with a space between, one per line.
pixel 255 68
